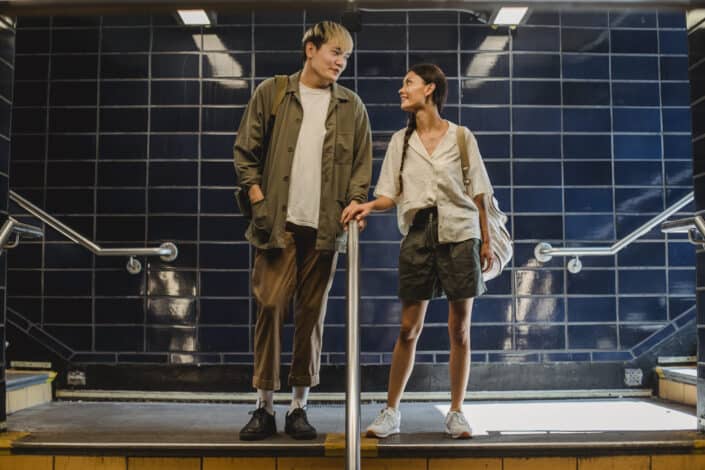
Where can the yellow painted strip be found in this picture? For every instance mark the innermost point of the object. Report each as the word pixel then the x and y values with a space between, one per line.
pixel 699 443
pixel 368 447
pixel 8 438
pixel 52 376
pixel 334 445
pixel 659 372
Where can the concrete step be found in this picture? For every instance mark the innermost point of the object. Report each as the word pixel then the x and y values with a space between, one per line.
pixel 678 384
pixel 27 388
pixel 592 434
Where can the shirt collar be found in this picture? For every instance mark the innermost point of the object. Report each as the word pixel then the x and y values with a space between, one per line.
pixel 335 89
pixel 446 142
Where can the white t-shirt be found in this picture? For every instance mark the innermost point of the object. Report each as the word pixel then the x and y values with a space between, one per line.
pixel 305 182
pixel 435 180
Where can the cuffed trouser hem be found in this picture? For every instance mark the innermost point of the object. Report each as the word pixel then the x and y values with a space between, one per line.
pixel 304 380
pixel 264 384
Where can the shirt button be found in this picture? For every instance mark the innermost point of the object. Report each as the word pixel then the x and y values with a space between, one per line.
pixel 286 178
pixel 291 149
pixel 284 207
pixel 298 120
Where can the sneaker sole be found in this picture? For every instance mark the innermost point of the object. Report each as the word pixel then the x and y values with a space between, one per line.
pixel 381 436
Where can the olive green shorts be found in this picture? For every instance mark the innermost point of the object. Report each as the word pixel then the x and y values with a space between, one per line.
pixel 428 269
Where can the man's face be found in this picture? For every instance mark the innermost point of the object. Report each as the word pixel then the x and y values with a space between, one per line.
pixel 329 61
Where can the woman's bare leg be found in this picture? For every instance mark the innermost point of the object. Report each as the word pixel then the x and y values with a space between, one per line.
pixel 459 313
pixel 412 317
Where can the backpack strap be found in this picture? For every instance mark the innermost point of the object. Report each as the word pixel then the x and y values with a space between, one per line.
pixel 281 82
pixel 464 160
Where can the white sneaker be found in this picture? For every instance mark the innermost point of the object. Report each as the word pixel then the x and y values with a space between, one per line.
pixel 457 426
pixel 385 424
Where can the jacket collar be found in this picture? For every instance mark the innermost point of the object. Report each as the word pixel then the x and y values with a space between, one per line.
pixel 335 89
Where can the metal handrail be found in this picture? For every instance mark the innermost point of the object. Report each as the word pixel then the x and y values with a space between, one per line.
pixel 684 225
pixel 166 251
pixel 543 252
pixel 352 393
pixel 13 227
pixel 689 225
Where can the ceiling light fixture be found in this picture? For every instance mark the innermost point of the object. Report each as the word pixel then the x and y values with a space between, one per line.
pixel 194 17
pixel 509 16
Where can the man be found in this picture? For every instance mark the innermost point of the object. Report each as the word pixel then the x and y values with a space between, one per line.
pixel 316 161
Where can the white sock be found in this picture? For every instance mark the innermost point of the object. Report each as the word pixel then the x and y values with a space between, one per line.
pixel 299 397
pixel 265 399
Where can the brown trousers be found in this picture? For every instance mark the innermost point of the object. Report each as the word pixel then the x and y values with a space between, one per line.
pixel 301 271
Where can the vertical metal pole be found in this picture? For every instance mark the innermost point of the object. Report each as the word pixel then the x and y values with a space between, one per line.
pixel 352 394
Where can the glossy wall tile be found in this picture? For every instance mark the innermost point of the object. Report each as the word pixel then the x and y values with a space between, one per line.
pixel 7 67
pixel 123 127
pixel 696 33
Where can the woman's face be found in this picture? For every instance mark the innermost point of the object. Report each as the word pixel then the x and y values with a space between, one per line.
pixel 414 93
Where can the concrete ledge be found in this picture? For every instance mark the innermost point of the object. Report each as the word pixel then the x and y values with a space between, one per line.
pixel 685 375
pixel 417 445
pixel 522 429
pixel 331 397
pixel 26 389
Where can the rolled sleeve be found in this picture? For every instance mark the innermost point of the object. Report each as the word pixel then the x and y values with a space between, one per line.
pixel 388 181
pixel 362 156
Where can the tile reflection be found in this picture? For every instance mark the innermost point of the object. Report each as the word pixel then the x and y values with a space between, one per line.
pixel 170 310
pixel 172 283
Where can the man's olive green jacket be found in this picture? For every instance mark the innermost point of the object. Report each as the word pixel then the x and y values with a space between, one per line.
pixel 345 171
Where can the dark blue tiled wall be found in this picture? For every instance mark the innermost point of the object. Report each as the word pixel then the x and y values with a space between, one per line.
pixel 7 60
pixel 696 60
pixel 123 128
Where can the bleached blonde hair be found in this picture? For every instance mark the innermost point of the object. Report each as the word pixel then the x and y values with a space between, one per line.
pixel 324 32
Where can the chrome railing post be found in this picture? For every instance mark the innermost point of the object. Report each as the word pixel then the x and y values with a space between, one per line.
pixel 352 328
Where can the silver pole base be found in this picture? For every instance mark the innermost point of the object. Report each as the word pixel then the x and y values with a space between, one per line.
pixel 540 252
pixel 174 251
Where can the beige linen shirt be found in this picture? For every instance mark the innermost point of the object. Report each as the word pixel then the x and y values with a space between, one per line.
pixel 435 180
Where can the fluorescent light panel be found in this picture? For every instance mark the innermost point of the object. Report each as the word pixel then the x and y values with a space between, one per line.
pixel 510 15
pixel 194 17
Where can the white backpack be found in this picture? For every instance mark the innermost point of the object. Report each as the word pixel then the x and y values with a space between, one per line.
pixel 500 240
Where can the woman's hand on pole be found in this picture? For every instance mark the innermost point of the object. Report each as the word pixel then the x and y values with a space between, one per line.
pixel 358 212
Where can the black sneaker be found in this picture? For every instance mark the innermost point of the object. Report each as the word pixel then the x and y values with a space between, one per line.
pixel 297 425
pixel 261 426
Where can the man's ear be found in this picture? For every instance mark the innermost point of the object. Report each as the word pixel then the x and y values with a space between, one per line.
pixel 310 49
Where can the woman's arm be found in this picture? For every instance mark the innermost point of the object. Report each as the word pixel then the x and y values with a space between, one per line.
pixel 361 211
pixel 486 255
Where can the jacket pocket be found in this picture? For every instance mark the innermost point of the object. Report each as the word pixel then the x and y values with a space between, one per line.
pixel 260 216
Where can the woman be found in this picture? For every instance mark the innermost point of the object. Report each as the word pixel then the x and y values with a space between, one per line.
pixel 446 241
